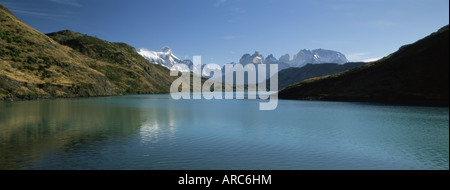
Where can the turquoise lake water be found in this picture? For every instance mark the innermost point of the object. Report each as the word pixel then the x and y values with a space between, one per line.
pixel 154 132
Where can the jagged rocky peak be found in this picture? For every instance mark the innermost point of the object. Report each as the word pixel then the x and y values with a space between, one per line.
pixel 271 60
pixel 255 58
pixel 271 57
pixel 286 58
pixel 164 57
pixel 305 56
pixel 166 49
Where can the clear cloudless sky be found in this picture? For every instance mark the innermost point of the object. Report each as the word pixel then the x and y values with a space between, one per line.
pixel 221 31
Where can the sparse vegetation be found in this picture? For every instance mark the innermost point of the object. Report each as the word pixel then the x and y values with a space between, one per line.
pixel 88 66
pixel 32 58
pixel 6 35
pixel 129 71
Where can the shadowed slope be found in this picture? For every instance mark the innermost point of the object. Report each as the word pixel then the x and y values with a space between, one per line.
pixel 416 74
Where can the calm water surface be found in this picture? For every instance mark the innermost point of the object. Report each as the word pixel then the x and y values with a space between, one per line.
pixel 155 132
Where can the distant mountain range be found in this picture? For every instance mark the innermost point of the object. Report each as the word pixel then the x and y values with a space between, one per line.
pixel 166 58
pixel 416 74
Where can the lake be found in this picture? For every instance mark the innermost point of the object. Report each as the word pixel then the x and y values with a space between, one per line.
pixel 154 132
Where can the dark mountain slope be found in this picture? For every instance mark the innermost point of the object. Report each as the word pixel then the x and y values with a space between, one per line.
pixel 416 74
pixel 294 75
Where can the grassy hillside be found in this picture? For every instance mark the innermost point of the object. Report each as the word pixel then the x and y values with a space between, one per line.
pixel 70 64
pixel 124 67
pixel 129 71
pixel 415 74
pixel 33 65
pixel 293 75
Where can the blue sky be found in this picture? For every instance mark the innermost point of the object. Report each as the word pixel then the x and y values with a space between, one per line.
pixel 221 31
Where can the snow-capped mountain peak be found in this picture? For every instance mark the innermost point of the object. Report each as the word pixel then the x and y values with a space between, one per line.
pixel 166 49
pixel 254 59
pixel 317 56
pixel 164 57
